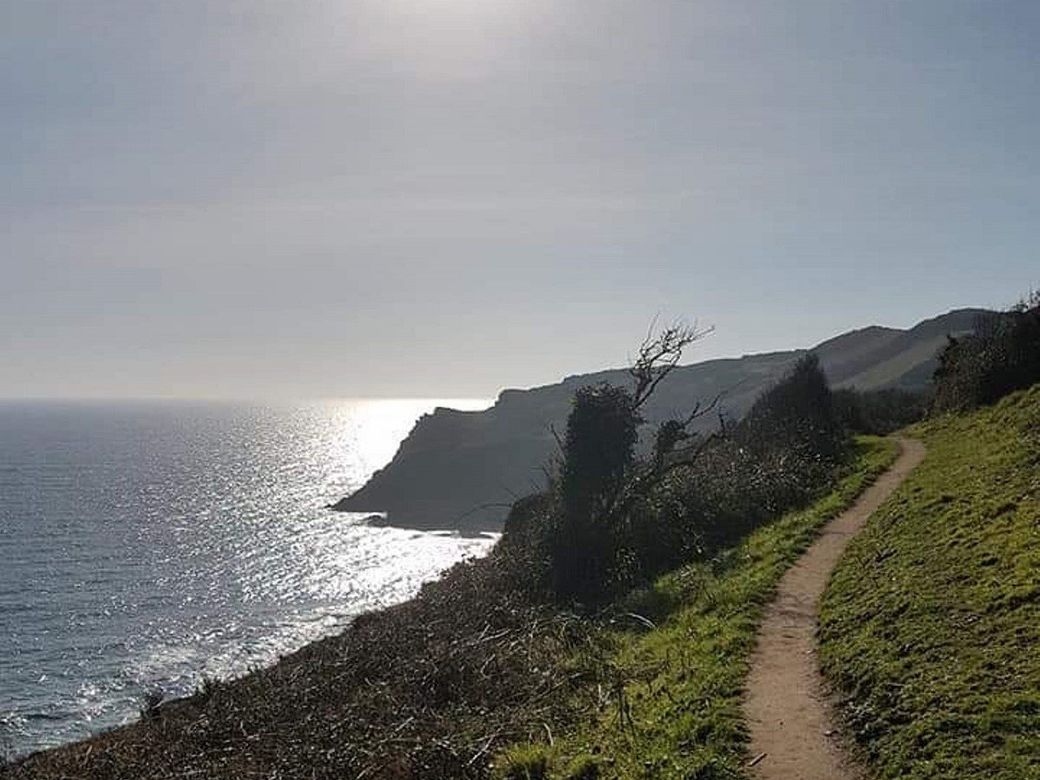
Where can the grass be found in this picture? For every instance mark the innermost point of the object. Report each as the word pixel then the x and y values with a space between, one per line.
pixel 931 624
pixel 669 705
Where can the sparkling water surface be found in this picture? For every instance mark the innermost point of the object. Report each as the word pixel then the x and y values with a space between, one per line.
pixel 145 545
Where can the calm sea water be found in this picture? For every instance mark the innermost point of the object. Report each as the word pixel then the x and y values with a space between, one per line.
pixel 145 545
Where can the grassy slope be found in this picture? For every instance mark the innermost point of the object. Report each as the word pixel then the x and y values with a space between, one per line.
pixel 674 710
pixel 932 621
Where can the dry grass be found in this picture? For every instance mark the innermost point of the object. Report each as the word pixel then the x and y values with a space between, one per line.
pixel 431 688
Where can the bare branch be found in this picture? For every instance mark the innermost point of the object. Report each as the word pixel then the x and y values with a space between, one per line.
pixel 659 354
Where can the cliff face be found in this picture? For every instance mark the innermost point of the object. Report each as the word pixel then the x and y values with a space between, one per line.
pixel 463 469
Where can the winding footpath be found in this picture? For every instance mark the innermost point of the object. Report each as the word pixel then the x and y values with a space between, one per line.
pixel 793 733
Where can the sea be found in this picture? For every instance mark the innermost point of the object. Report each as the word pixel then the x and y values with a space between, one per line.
pixel 147 545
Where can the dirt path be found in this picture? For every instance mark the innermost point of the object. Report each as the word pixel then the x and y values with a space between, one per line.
pixel 792 734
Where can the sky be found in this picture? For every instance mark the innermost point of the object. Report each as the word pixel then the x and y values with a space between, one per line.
pixel 448 197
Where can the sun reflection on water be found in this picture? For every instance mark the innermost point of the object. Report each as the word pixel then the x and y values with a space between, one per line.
pixel 154 544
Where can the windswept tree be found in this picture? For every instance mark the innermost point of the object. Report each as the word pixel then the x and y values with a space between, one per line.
pixel 659 354
pixel 612 518
pixel 600 476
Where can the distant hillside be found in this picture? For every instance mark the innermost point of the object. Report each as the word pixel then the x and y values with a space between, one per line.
pixel 462 469
pixel 874 358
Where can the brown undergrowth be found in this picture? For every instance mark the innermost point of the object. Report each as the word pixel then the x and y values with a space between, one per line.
pixel 431 688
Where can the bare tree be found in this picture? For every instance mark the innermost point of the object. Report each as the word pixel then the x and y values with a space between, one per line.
pixel 659 354
pixel 601 477
pixel 675 446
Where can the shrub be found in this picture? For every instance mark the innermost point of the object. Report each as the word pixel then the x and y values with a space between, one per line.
pixel 598 452
pixel 796 412
pixel 524 546
pixel 598 448
pixel 784 451
pixel 879 412
pixel 1002 355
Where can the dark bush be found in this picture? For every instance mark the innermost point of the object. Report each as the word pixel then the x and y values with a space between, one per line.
pixel 797 412
pixel 524 547
pixel 778 457
pixel 598 451
pixel 879 412
pixel 1002 355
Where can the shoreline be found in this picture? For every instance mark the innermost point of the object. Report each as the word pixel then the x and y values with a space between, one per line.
pixel 427 670
pixel 10 754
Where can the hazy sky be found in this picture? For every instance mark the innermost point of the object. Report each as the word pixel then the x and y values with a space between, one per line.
pixel 445 197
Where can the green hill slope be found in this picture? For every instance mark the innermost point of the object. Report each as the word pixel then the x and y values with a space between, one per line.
pixel 931 625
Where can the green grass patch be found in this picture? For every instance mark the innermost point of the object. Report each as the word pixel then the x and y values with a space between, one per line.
pixel 523 762
pixel 931 624
pixel 671 670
